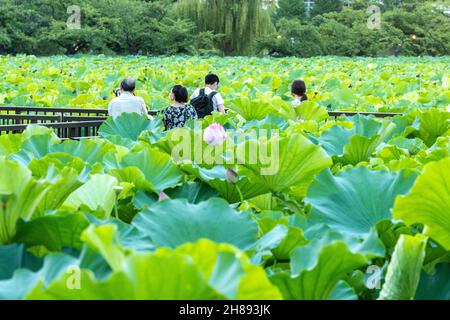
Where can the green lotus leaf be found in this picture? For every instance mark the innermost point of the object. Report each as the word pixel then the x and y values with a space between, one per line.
pixel 435 286
pixel 129 237
pixel 343 291
pixel 10 143
pixel 317 268
pixel 295 237
pixel 90 151
pixel 105 239
pixel 157 167
pixel 193 192
pixel 200 271
pixel 357 144
pixel 403 273
pixel 54 232
pixel 61 186
pixel 428 202
pixel 20 194
pixel 269 122
pixel 18 286
pixel 251 108
pixel 14 257
pixel 174 222
pixel 129 126
pixel 294 161
pixel 216 177
pixel 309 110
pixel 24 280
pixel 355 200
pixel 34 147
pixel 96 196
pixel 433 124
pixel 134 176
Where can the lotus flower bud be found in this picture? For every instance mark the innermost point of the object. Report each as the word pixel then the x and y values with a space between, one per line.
pixel 215 134
pixel 163 197
pixel 232 176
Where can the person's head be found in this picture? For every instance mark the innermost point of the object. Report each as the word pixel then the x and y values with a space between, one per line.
pixel 298 89
pixel 179 94
pixel 212 81
pixel 128 85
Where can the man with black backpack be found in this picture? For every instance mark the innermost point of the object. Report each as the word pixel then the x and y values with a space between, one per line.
pixel 207 100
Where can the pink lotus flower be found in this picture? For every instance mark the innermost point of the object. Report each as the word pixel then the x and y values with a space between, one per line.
pixel 163 197
pixel 232 176
pixel 215 134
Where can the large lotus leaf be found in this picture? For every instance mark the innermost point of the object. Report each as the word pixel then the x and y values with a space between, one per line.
pixel 175 222
pixel 334 139
pixel 20 194
pixel 358 143
pixel 360 148
pixel 293 161
pixel 317 268
pixel 128 125
pixel 269 122
pixel 440 150
pixel 251 108
pixel 157 167
pixel 355 200
pixel 267 242
pixel 36 130
pixel 96 196
pixel 200 271
pixel 15 256
pixel 34 147
pixel 193 192
pixel 403 273
pixel 54 232
pixel 343 291
pixel 24 280
pixel 105 240
pixel 129 236
pixel 134 176
pixel 61 186
pixel 253 284
pixel 216 177
pixel 90 151
pixel 310 110
pixel 433 124
pixel 10 143
pixel 435 286
pixel 18 286
pixel 429 202
pixel 295 237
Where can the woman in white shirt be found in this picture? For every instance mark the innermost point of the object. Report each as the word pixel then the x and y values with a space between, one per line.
pixel 298 91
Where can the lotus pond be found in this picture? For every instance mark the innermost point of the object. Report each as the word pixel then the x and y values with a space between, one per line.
pixel 358 208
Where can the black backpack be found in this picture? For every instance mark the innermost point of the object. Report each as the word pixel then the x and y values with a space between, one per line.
pixel 203 104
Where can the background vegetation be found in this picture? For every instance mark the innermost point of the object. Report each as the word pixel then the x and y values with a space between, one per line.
pixel 232 27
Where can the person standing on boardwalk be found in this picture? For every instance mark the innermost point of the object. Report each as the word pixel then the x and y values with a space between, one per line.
pixel 207 100
pixel 126 101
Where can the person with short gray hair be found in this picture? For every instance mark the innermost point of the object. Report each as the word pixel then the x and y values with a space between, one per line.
pixel 126 101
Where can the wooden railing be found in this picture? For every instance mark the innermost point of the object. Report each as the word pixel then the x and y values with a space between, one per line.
pixel 84 123
pixel 64 130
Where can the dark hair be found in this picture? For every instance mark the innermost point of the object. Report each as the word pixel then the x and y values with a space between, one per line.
pixel 180 93
pixel 211 79
pixel 129 84
pixel 299 88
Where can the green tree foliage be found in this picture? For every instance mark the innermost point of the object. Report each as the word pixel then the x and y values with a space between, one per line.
pixel 293 39
pixel 240 21
pixel 291 9
pixel 414 28
pixel 325 6
pixel 230 27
